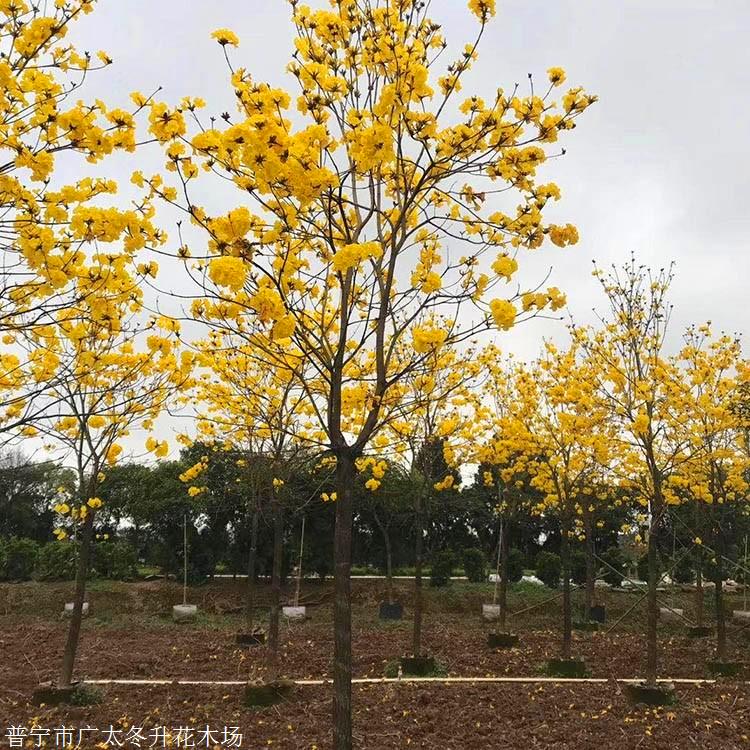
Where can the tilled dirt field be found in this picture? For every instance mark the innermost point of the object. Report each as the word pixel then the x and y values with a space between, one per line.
pixel 129 636
pixel 205 653
pixel 448 717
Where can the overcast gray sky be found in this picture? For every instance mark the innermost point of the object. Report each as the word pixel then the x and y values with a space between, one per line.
pixel 658 166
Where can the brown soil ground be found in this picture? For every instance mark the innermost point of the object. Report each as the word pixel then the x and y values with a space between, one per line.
pixel 129 635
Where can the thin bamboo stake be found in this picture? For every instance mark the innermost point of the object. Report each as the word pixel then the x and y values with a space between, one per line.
pixel 299 566
pixel 426 680
pixel 497 564
pixel 744 586
pixel 184 559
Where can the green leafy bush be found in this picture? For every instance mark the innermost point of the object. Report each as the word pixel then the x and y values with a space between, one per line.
pixel 549 569
pixel 56 561
pixel 709 567
pixel 642 568
pixel 515 565
pixel 682 569
pixel 474 565
pixel 116 560
pixel 86 695
pixel 443 564
pixel 18 559
pixel 578 567
pixel 614 570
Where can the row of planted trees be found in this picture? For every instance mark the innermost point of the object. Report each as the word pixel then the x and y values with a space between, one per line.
pixel 364 242
pixel 614 419
pixel 579 430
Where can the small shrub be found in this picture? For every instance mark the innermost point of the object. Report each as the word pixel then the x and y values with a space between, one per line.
pixel 56 561
pixel 709 568
pixel 549 569
pixel 474 565
pixel 18 559
pixel 682 569
pixel 515 565
pixel 443 564
pixel 86 695
pixel 391 669
pixel 614 570
pixel 578 567
pixel 116 560
pixel 641 568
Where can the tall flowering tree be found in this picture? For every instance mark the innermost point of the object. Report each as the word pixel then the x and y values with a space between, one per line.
pixel 573 437
pixel 429 429
pixel 107 373
pixel 48 226
pixel 379 208
pixel 506 450
pixel 257 412
pixel 715 472
pixel 645 400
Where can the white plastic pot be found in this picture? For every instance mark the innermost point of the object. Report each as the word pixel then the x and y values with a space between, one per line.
pixel 184 612
pixel 490 612
pixel 70 606
pixel 294 613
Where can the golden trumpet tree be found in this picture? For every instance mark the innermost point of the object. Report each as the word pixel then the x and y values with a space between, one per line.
pixel 258 412
pixel 560 407
pixel 430 429
pixel 387 198
pixel 505 449
pixel 48 226
pixel 106 375
pixel 714 474
pixel 645 396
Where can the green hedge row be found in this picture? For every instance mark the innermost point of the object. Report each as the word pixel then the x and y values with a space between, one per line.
pixel 25 560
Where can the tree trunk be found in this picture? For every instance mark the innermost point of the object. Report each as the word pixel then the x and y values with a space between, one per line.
pixel 388 559
pixel 250 587
pixel 699 598
pixel 74 631
pixel 273 625
pixel 652 663
pixel 567 617
pixel 418 533
pixel 699 587
pixel 721 622
pixel 342 610
pixel 590 552
pixel 504 554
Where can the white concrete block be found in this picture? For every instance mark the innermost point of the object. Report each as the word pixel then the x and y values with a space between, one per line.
pixel 69 606
pixel 184 612
pixel 294 613
pixel 490 612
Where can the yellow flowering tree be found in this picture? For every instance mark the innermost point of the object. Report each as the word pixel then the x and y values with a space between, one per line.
pixel 256 411
pixel 377 209
pixel 505 450
pixel 47 226
pixel 714 475
pixel 644 395
pixel 562 410
pixel 429 431
pixel 107 377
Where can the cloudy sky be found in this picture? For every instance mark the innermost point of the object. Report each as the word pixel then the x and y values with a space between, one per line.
pixel 660 166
